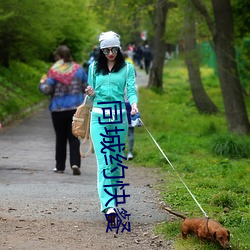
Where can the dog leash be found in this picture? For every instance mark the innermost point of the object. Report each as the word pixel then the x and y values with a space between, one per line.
pixel 174 170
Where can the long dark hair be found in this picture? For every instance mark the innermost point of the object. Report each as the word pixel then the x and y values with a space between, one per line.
pixel 102 67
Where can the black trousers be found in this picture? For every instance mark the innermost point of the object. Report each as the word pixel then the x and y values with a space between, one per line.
pixel 131 139
pixel 147 65
pixel 62 122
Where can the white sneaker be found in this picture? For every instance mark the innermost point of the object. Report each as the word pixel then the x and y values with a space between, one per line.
pixel 130 156
pixel 58 171
pixel 110 211
pixel 111 214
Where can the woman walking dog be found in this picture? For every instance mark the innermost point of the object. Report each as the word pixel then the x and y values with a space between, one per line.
pixel 108 78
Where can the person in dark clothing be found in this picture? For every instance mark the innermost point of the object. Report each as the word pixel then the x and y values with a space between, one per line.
pixel 147 54
pixel 65 83
pixel 93 55
pixel 138 54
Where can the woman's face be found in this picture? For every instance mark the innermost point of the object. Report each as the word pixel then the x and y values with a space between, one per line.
pixel 110 53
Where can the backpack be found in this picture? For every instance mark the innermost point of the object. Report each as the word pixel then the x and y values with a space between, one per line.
pixel 81 126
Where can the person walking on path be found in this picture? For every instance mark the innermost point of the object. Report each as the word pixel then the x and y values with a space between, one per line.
pixel 65 84
pixel 108 78
pixel 147 54
pixel 131 129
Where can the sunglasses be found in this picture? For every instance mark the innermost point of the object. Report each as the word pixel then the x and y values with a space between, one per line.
pixel 106 51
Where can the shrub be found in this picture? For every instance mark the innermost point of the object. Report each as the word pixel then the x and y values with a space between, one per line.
pixel 223 200
pixel 231 146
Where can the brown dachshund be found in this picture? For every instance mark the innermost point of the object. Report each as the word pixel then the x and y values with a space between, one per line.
pixel 204 229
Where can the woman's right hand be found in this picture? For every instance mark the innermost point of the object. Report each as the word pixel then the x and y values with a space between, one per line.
pixel 134 109
pixel 90 91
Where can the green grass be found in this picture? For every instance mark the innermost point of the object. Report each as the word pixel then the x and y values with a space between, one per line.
pixel 19 88
pixel 214 164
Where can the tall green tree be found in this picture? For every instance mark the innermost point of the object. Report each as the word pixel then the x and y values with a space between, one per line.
pixel 221 27
pixel 159 45
pixel 242 33
pixel 202 101
pixel 126 17
pixel 241 18
pixel 28 33
pixel 25 31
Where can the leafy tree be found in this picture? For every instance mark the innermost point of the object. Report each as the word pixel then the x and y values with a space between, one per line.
pixel 175 24
pixel 156 72
pixel 242 33
pixel 126 17
pixel 221 28
pixel 201 99
pixel 78 30
pixel 28 33
pixel 22 35
pixel 241 18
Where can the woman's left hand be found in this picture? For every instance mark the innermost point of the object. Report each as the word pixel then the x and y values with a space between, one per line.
pixel 134 109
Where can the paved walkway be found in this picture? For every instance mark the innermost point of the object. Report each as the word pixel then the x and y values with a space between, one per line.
pixel 141 78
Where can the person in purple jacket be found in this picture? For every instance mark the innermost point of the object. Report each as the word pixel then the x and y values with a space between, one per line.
pixel 65 83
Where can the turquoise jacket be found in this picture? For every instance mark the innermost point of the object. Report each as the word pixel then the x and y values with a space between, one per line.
pixel 113 86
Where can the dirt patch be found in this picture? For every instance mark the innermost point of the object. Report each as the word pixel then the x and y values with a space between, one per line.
pixel 57 235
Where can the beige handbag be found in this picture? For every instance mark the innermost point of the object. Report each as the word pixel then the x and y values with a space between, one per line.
pixel 81 126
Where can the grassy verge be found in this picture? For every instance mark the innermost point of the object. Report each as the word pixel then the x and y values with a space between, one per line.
pixel 212 163
pixel 19 88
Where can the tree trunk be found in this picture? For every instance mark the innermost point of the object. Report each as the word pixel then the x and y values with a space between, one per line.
pixel 159 46
pixel 201 99
pixel 223 38
pixel 235 109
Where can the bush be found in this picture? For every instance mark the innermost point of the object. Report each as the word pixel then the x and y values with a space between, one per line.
pixel 231 146
pixel 223 200
pixel 19 88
